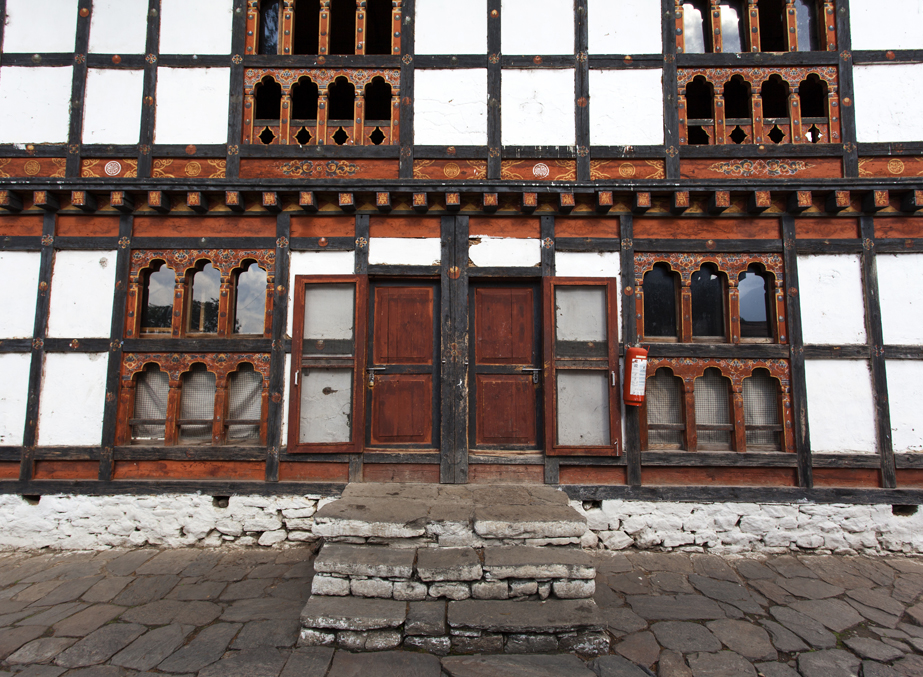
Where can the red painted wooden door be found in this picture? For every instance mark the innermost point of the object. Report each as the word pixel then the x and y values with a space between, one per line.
pixel 505 391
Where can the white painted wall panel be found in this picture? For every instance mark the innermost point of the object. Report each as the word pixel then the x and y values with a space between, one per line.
pixel 17 301
pixel 626 107
pixel 905 393
pixel 315 263
pixel 450 107
pixel 624 27
pixel 538 107
pixel 901 304
pixel 196 26
pixel 73 399
pixel 118 26
pixel 35 104
pixel 832 307
pixel 82 285
pixel 886 24
pixel 841 410
pixel 486 252
pixel 40 26
pixel 112 112
pixel 192 105
pixel 587 264
pixel 467 22
pixel 14 395
pixel 537 27
pixel 884 111
pixel 405 251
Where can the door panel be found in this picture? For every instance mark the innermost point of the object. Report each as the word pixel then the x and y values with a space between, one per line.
pixel 506 410
pixel 403 325
pixel 505 325
pixel 402 409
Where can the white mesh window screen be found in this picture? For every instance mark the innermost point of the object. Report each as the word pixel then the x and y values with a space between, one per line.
pixel 664 410
pixel 151 393
pixel 197 405
pixel 245 389
pixel 761 411
pixel 712 411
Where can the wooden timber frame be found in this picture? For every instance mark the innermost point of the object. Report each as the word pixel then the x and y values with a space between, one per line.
pixel 71 204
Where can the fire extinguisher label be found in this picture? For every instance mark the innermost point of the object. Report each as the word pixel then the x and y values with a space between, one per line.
pixel 638 377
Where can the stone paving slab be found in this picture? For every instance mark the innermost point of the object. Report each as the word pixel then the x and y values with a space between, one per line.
pixel 512 616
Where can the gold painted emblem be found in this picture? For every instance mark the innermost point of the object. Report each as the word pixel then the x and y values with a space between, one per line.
pixel 32 167
pixel 452 170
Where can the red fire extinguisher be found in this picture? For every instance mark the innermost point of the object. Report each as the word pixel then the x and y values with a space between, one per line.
pixel 635 376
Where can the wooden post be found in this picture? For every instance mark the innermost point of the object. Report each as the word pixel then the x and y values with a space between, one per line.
pixel 361 14
pixel 323 39
pixel 733 311
pixel 737 411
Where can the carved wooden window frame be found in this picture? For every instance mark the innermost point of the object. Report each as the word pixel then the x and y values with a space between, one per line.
pixel 732 265
pixel 185 263
pixel 175 365
pixel 736 370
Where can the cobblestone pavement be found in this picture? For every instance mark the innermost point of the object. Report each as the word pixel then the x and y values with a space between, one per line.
pixel 234 613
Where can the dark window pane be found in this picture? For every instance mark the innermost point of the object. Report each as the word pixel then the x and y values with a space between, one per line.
pixel 707 303
pixel 772 26
pixel 732 39
pixel 806 11
pixel 306 27
pixel 659 302
pixel 269 27
pixel 378 27
pixel 693 33
pixel 342 27
pixel 157 309
pixel 203 315
pixel 268 100
pixel 754 306
pixel 250 314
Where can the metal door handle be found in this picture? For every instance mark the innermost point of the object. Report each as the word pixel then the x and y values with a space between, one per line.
pixel 535 372
pixel 371 371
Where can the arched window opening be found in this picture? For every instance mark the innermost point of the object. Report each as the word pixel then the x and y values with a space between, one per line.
pixel 733 39
pixel 269 26
pixel 694 12
pixel 775 94
pixel 773 26
pixel 342 26
pixel 755 304
pixel 157 299
pixel 812 93
pixel 808 37
pixel 268 101
pixel 700 99
pixel 245 404
pixel 660 299
pixel 306 27
pixel 762 418
pixel 305 95
pixel 737 100
pixel 203 311
pixel 341 101
pixel 664 404
pixel 149 420
pixel 378 27
pixel 378 101
pixel 197 405
pixel 250 309
pixel 708 292
pixel 713 411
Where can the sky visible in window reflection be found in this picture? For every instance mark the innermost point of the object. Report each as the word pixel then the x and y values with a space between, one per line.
pixel 249 317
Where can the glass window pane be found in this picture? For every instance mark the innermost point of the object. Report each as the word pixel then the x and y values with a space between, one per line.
pixel 583 408
pixel 806 11
pixel 269 27
pixel 707 303
pixel 754 306
pixel 245 402
pixel 659 302
pixel 197 403
pixel 157 313
pixel 250 313
pixel 203 315
pixel 151 393
pixel 693 33
pixel 329 319
pixel 712 407
pixel 761 407
pixel 731 26
pixel 326 405
pixel 664 399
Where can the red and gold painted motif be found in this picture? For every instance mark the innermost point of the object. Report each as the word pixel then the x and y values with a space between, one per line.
pixel 45 167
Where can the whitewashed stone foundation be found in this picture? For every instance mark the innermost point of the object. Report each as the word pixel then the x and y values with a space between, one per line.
pixel 67 522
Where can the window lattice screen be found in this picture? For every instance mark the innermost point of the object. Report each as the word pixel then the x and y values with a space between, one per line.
pixel 151 393
pixel 197 403
pixel 761 407
pixel 712 407
pixel 664 406
pixel 245 389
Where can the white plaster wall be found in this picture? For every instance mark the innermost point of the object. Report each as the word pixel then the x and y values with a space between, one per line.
pixel 35 104
pixel 624 27
pixel 405 251
pixel 467 22
pixel 626 107
pixel 112 111
pixel 901 305
pixel 315 263
pixel 832 307
pixel 591 264
pixel 196 26
pixel 82 286
pixel 884 110
pixel 40 26
pixel 192 105
pixel 450 107
pixel 14 394
pixel 485 251
pixel 886 24
pixel 73 399
pixel 118 26
pixel 537 107
pixel 841 409
pixel 905 393
pixel 537 27
pixel 17 301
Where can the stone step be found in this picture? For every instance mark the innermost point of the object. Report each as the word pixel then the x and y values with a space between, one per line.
pixel 353 613
pixel 365 560
pixel 549 616
pixel 525 562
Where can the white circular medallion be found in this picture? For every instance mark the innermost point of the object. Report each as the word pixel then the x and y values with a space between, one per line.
pixel 113 168
pixel 540 171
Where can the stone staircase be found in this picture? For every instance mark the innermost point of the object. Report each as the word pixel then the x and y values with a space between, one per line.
pixel 449 568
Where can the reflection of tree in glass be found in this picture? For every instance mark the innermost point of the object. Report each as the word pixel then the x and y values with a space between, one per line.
pixel 157 317
pixel 203 316
pixel 249 316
